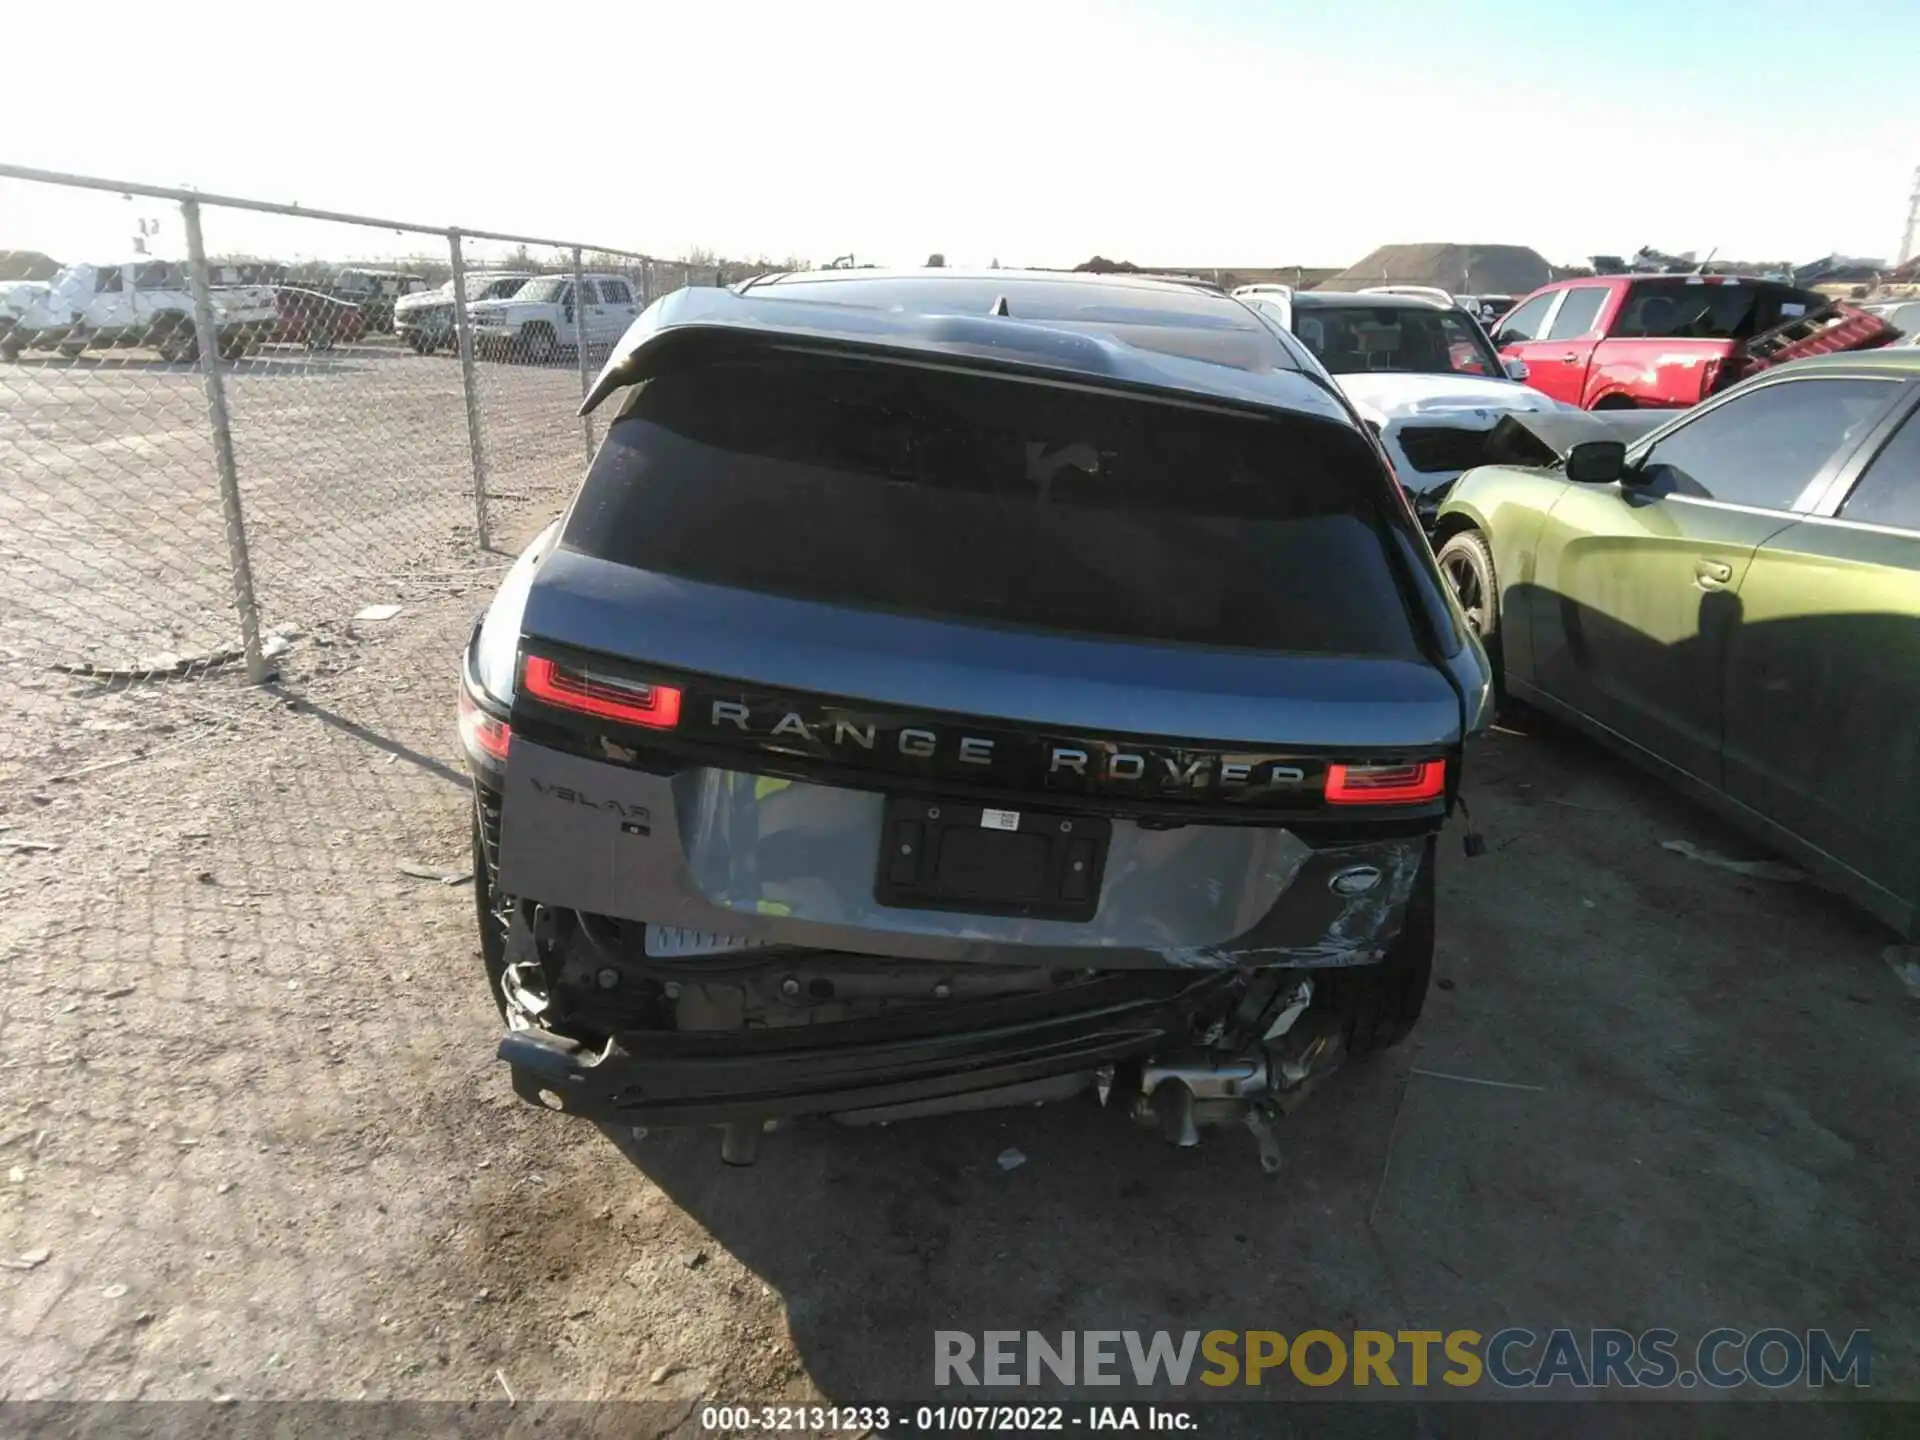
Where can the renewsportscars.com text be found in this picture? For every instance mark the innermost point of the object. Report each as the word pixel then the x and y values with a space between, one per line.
pixel 1512 1358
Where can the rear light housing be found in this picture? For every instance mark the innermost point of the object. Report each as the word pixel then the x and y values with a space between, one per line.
pixel 607 697
pixel 1411 784
pixel 482 733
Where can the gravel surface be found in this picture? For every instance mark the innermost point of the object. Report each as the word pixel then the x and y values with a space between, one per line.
pixel 250 1114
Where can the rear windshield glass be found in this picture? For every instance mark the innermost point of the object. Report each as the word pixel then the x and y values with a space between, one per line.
pixel 1680 309
pixel 978 499
pixel 1350 339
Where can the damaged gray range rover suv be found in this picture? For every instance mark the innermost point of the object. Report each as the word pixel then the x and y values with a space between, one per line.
pixel 950 690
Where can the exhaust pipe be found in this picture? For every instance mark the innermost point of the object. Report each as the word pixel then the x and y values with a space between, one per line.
pixel 740 1142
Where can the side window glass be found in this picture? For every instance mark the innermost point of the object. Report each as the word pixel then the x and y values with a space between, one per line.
pixel 106 280
pixel 1578 313
pixel 1889 493
pixel 615 292
pixel 1764 447
pixel 1524 323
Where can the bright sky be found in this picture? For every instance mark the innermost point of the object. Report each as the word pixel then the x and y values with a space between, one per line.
pixel 1031 131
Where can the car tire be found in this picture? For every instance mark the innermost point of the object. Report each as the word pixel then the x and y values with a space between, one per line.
pixel 1378 1004
pixel 1466 564
pixel 417 343
pixel 9 351
pixel 537 344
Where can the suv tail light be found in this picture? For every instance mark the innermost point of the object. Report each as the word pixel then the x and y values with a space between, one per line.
pixel 481 731
pixel 1386 784
pixel 611 697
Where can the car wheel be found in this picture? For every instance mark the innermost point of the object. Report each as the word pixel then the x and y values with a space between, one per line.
pixel 537 344
pixel 9 351
pixel 1466 563
pixel 1379 1004
pixel 417 342
pixel 73 352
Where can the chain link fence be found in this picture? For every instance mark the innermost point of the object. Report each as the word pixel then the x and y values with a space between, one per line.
pixel 221 425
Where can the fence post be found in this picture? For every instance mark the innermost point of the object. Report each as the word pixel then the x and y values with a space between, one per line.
pixel 207 334
pixel 580 346
pixel 646 282
pixel 470 386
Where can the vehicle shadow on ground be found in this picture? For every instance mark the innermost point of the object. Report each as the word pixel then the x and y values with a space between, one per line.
pixel 1035 1218
pixel 1589 1068
pixel 440 770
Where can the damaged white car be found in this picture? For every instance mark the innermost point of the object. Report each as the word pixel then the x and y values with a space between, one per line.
pixel 1420 371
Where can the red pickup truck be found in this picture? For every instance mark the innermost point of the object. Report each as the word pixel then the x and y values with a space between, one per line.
pixel 1669 341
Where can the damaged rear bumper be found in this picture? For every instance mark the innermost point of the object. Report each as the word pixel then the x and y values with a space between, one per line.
pixel 867 1066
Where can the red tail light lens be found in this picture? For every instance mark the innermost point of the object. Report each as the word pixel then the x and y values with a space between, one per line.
pixel 481 731
pixel 1386 784
pixel 611 697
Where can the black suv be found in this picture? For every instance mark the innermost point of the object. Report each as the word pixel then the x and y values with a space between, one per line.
pixel 950 690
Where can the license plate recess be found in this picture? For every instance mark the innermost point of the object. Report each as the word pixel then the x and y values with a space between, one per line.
pixel 991 860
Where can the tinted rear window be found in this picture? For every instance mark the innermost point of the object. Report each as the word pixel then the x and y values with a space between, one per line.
pixel 978 499
pixel 1692 310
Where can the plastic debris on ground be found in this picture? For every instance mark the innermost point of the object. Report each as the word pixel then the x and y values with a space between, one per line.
pixel 1904 961
pixel 1756 869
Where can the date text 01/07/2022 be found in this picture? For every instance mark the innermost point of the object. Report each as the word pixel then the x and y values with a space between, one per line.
pixel 945 1419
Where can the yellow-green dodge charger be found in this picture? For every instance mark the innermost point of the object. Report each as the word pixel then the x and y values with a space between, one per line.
pixel 1733 598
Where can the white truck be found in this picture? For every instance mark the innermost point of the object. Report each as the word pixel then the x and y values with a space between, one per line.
pixel 142 302
pixel 539 320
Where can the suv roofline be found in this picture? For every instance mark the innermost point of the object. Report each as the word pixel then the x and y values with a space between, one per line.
pixel 1142 279
pixel 1374 297
pixel 1413 292
pixel 1037 349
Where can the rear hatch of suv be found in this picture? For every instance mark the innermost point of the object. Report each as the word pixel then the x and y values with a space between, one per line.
pixel 806 602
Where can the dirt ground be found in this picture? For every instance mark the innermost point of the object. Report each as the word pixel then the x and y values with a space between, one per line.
pixel 250 1118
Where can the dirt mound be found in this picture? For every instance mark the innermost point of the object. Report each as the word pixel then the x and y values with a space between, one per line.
pixel 1462 269
pixel 27 265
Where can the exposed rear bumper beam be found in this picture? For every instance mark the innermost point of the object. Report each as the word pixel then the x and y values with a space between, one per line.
pixel 714 1084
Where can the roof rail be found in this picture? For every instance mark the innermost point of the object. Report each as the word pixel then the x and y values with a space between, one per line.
pixel 1195 281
